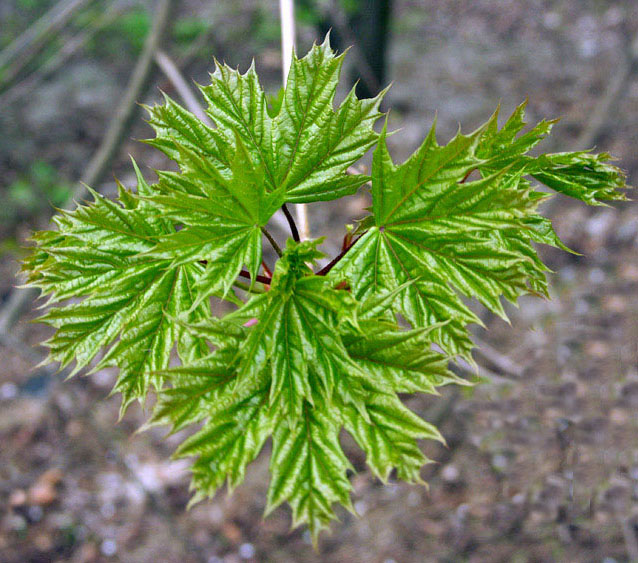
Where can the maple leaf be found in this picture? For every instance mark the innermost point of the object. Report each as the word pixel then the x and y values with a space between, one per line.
pixel 308 469
pixel 452 237
pixel 222 218
pixel 581 175
pixel 98 254
pixel 297 333
pixel 305 148
pixel 299 363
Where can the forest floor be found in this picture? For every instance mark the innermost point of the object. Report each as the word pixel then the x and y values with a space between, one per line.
pixel 542 466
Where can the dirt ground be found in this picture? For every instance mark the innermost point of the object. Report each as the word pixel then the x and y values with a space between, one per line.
pixel 540 467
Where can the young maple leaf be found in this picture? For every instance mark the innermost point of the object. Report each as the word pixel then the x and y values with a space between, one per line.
pixel 99 254
pixel 452 237
pixel 314 362
pixel 305 148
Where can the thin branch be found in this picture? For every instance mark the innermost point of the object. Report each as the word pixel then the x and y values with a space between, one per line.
pixel 267 270
pixel 247 288
pixel 272 241
pixel 246 274
pixel 287 15
pixel 291 222
pixel 27 45
pixel 99 165
pixel 261 279
pixel 337 258
pixel 169 68
pixel 506 366
pixel 70 48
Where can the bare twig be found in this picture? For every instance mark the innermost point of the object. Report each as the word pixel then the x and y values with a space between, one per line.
pixel 291 222
pixel 464 369
pixel 27 45
pixel 169 68
pixel 287 14
pixel 20 299
pixel 324 271
pixel 67 51
pixel 261 279
pixel 272 241
pixel 505 365
pixel 336 17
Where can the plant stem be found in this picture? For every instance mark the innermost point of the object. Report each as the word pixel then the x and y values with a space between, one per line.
pixel 102 158
pixel 272 241
pixel 291 222
pixel 337 258
pixel 261 279
pixel 267 270
pixel 287 16
pixel 247 288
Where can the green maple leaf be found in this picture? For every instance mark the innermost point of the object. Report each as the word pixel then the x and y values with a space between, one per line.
pixel 581 175
pixel 296 333
pixel 308 469
pixel 305 148
pixel 98 253
pixel 452 237
pixel 222 218
pixel 300 363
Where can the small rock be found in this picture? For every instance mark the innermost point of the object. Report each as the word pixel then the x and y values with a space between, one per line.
pixel 17 498
pixel 246 551
pixel 629 272
pixel 52 476
pixel 87 553
pixel 597 349
pixel 450 473
pixel 35 513
pixel 615 304
pixel 360 507
pixel 109 547
pixel 43 491
pixel 42 494
pixel 232 532
pixel 43 542
pixel 433 527
pixel 8 391
pixel 619 416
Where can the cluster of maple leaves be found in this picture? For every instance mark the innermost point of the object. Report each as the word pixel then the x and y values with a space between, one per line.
pixel 308 351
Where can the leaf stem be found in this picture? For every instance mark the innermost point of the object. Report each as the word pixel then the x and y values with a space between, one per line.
pixel 291 222
pixel 261 279
pixel 247 288
pixel 272 241
pixel 267 270
pixel 338 257
pixel 467 175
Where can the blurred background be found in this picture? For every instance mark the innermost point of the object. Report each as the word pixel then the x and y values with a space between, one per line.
pixel 542 463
